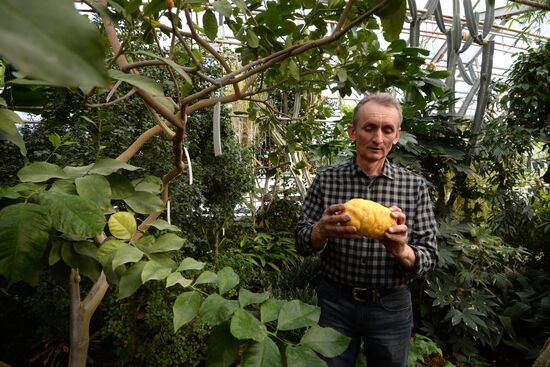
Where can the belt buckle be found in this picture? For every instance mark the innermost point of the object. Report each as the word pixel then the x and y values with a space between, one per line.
pixel 372 295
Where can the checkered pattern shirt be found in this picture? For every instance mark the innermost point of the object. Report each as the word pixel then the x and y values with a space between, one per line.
pixel 364 262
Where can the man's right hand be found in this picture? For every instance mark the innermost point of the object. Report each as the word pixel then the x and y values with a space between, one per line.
pixel 331 225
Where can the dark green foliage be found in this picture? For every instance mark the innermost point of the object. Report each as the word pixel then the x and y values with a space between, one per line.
pixel 468 288
pixel 139 331
pixel 280 215
pixel 299 281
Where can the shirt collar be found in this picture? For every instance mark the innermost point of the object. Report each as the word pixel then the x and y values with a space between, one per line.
pixel 388 170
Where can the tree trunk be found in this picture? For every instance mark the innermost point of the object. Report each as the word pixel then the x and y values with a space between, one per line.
pixel 81 315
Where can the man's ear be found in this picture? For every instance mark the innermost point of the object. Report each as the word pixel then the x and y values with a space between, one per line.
pixel 351 132
pixel 397 136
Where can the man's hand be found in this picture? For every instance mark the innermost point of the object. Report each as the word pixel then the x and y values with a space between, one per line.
pixel 331 225
pixel 395 240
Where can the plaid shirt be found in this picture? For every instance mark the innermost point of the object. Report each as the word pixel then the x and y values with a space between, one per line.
pixel 364 262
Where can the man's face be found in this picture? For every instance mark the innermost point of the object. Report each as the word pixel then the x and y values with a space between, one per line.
pixel 375 133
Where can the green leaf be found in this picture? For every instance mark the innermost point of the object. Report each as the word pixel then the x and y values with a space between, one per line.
pixel 190 264
pixel 8 129
pixel 210 24
pixel 251 38
pixel 155 271
pixel 64 186
pixel 247 297
pixel 106 166
pixel 185 308
pixel 227 279
pixel 122 225
pixel 245 326
pixel 121 186
pixel 150 184
pixel 215 309
pixel 145 203
pixel 72 215
pixel 294 70
pixel 55 139
pixel 325 341
pixel 74 172
pixel 269 310
pixel 130 281
pixel 296 314
pixel 392 17
pixel 40 172
pixel 163 225
pixel 177 67
pixel 24 235
pixel 167 242
pixel 223 348
pixel 107 251
pixel 126 254
pixel 223 7
pixel 206 277
pixel 262 354
pixel 9 193
pixel 177 278
pixel 86 248
pixel 95 188
pixel 299 356
pixel 52 41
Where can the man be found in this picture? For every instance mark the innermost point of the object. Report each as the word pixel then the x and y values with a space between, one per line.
pixel 364 293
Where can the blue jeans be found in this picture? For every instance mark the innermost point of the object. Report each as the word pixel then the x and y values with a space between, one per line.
pixel 384 325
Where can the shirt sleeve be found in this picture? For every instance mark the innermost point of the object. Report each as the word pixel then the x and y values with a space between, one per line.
pixel 312 210
pixel 422 236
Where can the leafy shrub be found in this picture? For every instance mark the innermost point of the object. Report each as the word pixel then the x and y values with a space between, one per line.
pixel 466 290
pixel 299 281
pixel 273 250
pixel 141 330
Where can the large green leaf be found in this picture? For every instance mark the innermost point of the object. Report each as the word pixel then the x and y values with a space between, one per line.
pixel 247 297
pixel 177 278
pixel 299 356
pixel 130 281
pixel 166 242
pixel 40 172
pixel 296 314
pixel 186 307
pixel 126 254
pixel 155 271
pixel 190 264
pixel 107 251
pixel 144 83
pixel 50 40
pixel 152 184
pixel 227 279
pixel 72 215
pixel 206 277
pixel 215 309
pixel 8 129
pixel 106 166
pixel 24 234
pixel 210 23
pixel 144 202
pixel 262 354
pixel 121 186
pixel 163 225
pixel 223 348
pixel 245 326
pixel 269 310
pixel 95 188
pixel 325 341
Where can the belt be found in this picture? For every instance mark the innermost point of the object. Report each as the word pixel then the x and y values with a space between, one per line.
pixel 371 295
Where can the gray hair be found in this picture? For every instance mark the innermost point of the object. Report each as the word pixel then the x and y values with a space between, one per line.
pixel 384 99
